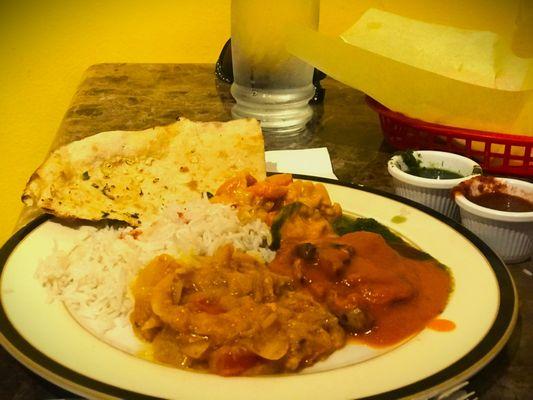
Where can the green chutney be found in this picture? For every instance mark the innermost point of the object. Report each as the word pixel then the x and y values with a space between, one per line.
pixel 414 168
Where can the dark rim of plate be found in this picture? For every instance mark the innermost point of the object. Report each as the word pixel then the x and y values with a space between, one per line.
pixel 467 365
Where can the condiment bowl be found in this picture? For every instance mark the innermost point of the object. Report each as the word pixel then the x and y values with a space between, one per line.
pixel 509 234
pixel 434 193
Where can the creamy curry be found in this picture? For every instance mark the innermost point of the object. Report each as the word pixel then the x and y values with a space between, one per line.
pixel 231 314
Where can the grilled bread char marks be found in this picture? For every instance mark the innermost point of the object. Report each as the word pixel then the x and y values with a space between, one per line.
pixel 132 175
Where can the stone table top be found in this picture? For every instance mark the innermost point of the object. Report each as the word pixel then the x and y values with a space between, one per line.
pixel 139 96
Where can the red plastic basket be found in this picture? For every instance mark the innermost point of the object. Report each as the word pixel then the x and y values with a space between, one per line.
pixel 496 153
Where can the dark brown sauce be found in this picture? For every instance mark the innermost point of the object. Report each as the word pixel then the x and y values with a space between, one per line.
pixel 502 202
pixel 493 193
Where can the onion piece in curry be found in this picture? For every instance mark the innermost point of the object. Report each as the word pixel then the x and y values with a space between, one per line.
pixel 332 279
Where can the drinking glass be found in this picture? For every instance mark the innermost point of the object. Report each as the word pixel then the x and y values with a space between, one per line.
pixel 270 84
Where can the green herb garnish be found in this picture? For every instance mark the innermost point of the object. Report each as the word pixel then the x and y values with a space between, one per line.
pixel 345 224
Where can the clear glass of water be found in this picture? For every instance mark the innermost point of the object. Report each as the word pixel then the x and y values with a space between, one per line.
pixel 270 84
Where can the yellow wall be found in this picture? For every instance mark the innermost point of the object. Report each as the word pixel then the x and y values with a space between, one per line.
pixel 46 45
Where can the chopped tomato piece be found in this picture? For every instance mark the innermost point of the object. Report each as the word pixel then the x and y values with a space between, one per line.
pixel 231 361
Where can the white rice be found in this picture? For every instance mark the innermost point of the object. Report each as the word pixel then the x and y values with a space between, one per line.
pixel 94 278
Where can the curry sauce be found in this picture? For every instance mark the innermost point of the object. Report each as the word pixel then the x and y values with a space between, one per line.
pixel 230 315
pixel 379 296
pixel 332 279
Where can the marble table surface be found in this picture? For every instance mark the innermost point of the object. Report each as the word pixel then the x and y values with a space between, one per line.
pixel 138 96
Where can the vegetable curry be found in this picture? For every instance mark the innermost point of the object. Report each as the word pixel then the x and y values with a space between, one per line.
pixel 332 279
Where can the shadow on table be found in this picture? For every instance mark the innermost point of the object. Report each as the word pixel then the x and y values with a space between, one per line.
pixel 490 382
pixel 17 382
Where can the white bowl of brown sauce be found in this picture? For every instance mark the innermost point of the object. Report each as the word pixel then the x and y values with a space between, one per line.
pixel 427 177
pixel 500 212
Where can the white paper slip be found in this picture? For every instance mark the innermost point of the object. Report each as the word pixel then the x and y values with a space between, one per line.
pixel 314 162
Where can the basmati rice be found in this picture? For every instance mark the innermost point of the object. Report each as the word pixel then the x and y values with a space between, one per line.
pixel 93 279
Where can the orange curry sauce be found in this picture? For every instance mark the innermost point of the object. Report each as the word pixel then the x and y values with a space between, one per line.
pixel 379 296
pixel 238 316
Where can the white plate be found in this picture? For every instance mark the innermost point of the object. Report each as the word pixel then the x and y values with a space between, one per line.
pixel 45 338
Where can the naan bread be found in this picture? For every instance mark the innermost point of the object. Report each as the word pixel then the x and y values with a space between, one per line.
pixel 132 176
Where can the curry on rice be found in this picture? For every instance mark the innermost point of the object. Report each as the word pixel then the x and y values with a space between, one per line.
pixel 331 280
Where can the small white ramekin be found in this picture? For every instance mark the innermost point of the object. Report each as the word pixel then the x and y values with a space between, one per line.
pixel 434 193
pixel 509 234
